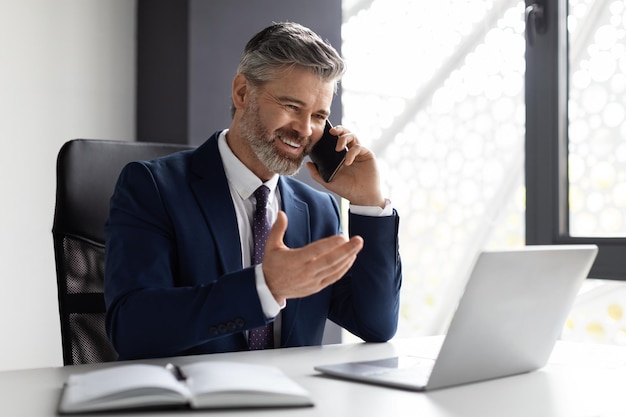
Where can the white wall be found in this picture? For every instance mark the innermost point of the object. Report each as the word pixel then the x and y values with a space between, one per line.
pixel 67 70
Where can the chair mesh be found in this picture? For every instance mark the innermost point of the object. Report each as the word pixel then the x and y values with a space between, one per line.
pixel 84 266
pixel 84 274
pixel 89 341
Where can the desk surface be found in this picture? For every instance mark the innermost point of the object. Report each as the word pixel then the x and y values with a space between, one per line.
pixel 581 380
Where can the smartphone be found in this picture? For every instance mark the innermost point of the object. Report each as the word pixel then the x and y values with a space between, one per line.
pixel 325 157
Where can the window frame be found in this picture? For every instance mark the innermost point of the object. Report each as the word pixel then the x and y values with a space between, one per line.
pixel 546 147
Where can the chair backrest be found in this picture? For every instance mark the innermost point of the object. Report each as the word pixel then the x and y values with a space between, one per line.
pixel 87 171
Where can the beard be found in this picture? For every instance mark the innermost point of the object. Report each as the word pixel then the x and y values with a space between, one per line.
pixel 262 142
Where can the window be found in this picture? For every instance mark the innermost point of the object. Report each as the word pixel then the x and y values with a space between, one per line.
pixel 576 163
pixel 576 148
pixel 597 118
pixel 471 130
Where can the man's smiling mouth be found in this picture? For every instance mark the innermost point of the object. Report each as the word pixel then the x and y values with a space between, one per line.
pixel 292 143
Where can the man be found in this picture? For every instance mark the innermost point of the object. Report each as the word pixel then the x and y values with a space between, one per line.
pixel 180 275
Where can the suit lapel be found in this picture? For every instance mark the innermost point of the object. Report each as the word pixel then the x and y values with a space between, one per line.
pixel 213 195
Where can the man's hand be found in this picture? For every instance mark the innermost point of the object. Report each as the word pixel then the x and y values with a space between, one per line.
pixel 358 179
pixel 295 273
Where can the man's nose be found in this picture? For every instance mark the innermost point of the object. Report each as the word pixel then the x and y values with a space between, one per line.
pixel 303 125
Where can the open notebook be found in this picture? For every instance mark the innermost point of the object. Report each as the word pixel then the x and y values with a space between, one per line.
pixel 511 313
pixel 205 384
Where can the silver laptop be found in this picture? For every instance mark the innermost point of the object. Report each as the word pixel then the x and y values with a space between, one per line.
pixel 512 311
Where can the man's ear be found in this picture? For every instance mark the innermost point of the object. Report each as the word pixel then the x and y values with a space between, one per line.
pixel 240 90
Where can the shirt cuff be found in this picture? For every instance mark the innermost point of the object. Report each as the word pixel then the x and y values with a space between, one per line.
pixel 270 307
pixel 373 211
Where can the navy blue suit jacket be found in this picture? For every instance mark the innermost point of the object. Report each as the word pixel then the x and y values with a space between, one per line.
pixel 174 281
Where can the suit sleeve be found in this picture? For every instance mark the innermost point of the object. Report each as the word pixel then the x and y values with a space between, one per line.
pixel 366 301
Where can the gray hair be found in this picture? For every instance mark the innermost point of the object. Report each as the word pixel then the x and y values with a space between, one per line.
pixel 287 44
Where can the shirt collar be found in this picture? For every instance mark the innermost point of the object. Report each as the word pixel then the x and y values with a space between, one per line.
pixel 242 180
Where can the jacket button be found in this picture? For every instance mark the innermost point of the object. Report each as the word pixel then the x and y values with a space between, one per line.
pixel 213 331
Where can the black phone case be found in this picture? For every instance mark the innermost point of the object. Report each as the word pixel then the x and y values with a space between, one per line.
pixel 325 157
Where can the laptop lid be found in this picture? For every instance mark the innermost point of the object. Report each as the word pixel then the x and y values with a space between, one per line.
pixel 507 321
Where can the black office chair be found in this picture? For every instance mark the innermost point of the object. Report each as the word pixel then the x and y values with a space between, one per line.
pixel 87 171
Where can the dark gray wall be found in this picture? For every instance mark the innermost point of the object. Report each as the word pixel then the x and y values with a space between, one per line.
pixel 162 110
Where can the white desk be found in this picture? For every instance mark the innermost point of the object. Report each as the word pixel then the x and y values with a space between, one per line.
pixel 580 381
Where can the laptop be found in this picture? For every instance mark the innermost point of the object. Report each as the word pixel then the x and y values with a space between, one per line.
pixel 511 313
